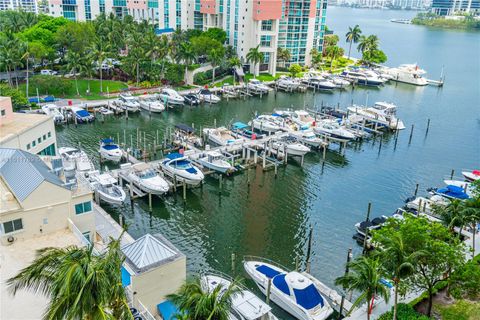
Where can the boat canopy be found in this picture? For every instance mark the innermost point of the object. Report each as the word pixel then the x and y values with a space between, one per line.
pixel 184 127
pixel 173 156
pixel 308 297
pixel 82 113
pixel 267 271
pixel 107 140
pixel 281 284
pixel 240 125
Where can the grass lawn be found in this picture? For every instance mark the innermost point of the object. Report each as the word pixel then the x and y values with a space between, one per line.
pixel 71 92
pixel 460 310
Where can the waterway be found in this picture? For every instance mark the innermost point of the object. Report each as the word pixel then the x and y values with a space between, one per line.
pixel 272 217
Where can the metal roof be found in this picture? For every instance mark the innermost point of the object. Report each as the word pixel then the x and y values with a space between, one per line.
pixel 148 252
pixel 23 172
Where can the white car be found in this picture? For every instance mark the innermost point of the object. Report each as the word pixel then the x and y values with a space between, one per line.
pixel 48 72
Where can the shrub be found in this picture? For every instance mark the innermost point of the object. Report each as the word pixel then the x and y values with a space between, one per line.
pixel 18 97
pixel 404 312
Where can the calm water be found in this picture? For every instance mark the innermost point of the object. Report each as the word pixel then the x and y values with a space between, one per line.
pixel 272 218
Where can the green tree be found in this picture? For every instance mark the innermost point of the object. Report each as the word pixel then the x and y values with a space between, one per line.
pixel 471 214
pixel 329 41
pixel 452 215
pixel 353 36
pixel 74 62
pixel 295 69
pixel 283 55
pixel 75 36
pixel 256 57
pixel 334 52
pixel 217 34
pixel 201 304
pixel 365 276
pixel 79 283
pixel 187 53
pixel 18 97
pixel 98 52
pixel 215 56
pixel 234 62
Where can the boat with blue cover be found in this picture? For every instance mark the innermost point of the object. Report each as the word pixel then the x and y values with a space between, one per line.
pixel 181 169
pixel 109 150
pixel 451 192
pixel 82 115
pixel 295 292
pixel 240 129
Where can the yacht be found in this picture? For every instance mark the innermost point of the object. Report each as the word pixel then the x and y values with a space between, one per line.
pixel 221 136
pixel 257 86
pixel 295 292
pixel 471 175
pixel 316 79
pixel 54 111
pixel 215 161
pixel 362 78
pixel 339 82
pixel 287 83
pixel 147 179
pixel 290 145
pixel 128 102
pixel 408 73
pixel 181 169
pixel 302 118
pixel 192 99
pixel 383 112
pixel 170 96
pixel 307 137
pixel 75 160
pixel 265 123
pixel 151 105
pixel 245 305
pixel 109 150
pixel 331 128
pixel 208 96
pixel 106 186
pixel 82 115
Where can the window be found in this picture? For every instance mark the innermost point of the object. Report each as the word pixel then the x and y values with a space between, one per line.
pixel 44 137
pixel 34 143
pixel 12 226
pixel 28 146
pixel 83 207
pixel 39 140
pixel 49 134
pixel 3 112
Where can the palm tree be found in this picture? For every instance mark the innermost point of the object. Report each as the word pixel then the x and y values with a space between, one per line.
pixel 187 53
pixel 201 304
pixel 452 215
pixel 334 52
pixel 234 62
pixel 365 277
pixel 283 55
pixel 471 213
pixel 255 56
pixel 98 51
pixel 135 58
pixel 74 62
pixel 79 283
pixel 85 67
pixel 353 36
pixel 216 57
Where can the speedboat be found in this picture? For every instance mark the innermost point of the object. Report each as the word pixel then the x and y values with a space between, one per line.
pixel 374 224
pixel 295 292
pixel 82 115
pixel 408 73
pixel 147 179
pixel 216 161
pixel 208 96
pixel 307 137
pixel 75 160
pixel 473 175
pixel 221 136
pixel 54 111
pixel 128 102
pixel 383 112
pixel 170 96
pixel 109 150
pixel 192 99
pixel 302 118
pixel 151 105
pixel 258 86
pixel 339 82
pixel 289 145
pixel 240 129
pixel 450 192
pixel 287 83
pixel 105 111
pixel 331 128
pixel 245 305
pixel 362 78
pixel 181 169
pixel 106 186
pixel 426 205
pixel 317 80
pixel 265 123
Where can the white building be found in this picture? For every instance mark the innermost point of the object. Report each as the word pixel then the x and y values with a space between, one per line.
pixel 25 5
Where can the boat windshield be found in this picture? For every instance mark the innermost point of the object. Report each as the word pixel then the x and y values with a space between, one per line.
pixel 147 174
pixel 182 164
pixel 308 297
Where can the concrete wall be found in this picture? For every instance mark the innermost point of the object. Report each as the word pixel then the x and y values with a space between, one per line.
pixel 6 106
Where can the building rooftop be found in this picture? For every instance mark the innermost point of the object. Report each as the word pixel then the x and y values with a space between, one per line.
pixel 20 123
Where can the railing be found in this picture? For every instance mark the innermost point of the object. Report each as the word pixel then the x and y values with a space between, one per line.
pixel 142 310
pixel 80 236
pixel 260 259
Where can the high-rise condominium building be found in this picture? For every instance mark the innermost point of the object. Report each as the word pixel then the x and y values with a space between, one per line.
pixel 448 7
pixel 25 5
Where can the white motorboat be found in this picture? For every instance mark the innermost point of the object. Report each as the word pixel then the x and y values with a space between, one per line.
pixel 75 160
pixel 338 81
pixel 287 83
pixel 331 128
pixel 221 136
pixel 295 292
pixel 471 175
pixel 147 179
pixel 466 186
pixel 181 169
pixel 303 119
pixel 151 105
pixel 216 161
pixel 258 86
pixel 105 111
pixel 245 305
pixel 109 150
pixel 383 112
pixel 426 205
pixel 54 111
pixel 408 73
pixel 170 96
pixel 289 145
pixel 363 78
pixel 82 115
pixel 317 80
pixel 307 137
pixel 106 186
pixel 128 102
pixel 265 123
pixel 208 96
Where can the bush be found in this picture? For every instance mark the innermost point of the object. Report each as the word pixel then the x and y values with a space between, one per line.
pixel 404 312
pixel 174 73
pixel 18 97
pixel 466 281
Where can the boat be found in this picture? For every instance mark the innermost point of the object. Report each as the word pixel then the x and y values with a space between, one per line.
pixel 240 129
pixel 244 304
pixel 151 105
pixel 55 112
pixel 339 82
pixel 370 225
pixel 307 137
pixel 109 150
pixel 466 186
pixel 287 83
pixel 317 80
pixel 362 78
pixel 128 102
pixel 149 181
pixel 408 73
pixel 221 136
pixel 214 160
pixel 473 175
pixel 295 292
pixel 402 21
pixel 303 119
pixel 75 160
pixel 181 169
pixel 426 205
pixel 105 111
pixel 82 115
pixel 192 99
pixel 382 112
pixel 229 91
pixel 170 96
pixel 258 86
pixel 331 128
pixel 265 123
pixel 450 192
pixel 106 186
pixel 208 96
pixel 289 145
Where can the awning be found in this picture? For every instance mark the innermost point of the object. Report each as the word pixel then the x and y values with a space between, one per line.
pixel 167 310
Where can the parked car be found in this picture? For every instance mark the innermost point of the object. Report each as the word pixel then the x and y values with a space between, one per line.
pixel 48 72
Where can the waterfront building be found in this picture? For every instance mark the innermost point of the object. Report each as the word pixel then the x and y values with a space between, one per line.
pixel 30 132
pixel 449 7
pixel 24 5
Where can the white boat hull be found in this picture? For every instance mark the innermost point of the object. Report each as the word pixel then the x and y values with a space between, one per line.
pixel 470 176
pixel 219 166
pixel 116 200
pixel 115 157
